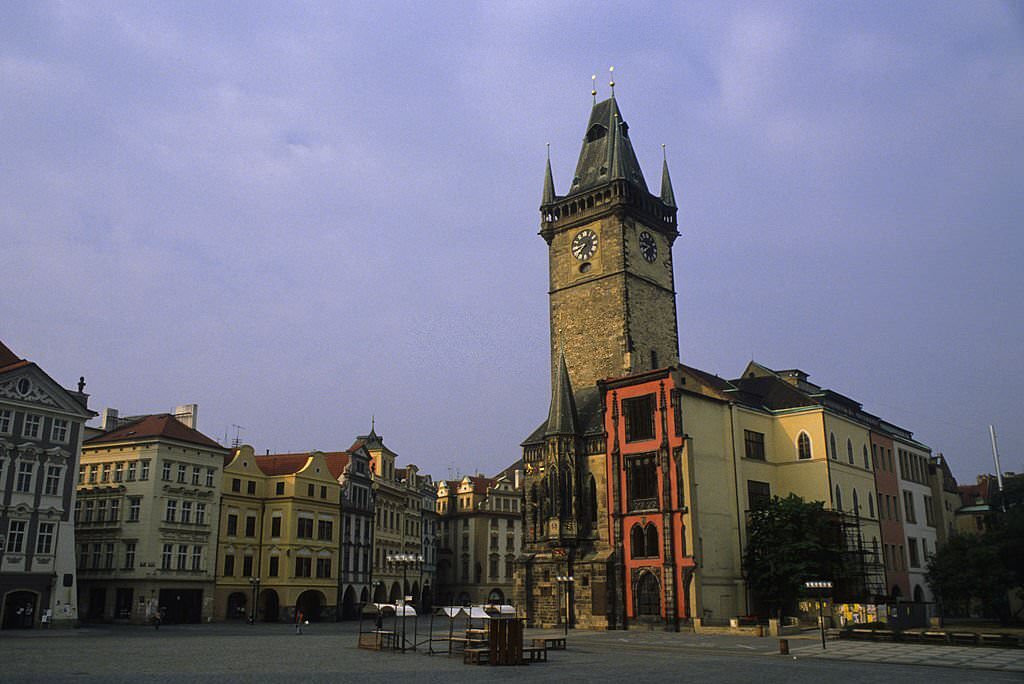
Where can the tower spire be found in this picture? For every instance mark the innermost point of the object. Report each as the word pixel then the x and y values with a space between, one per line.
pixel 549 182
pixel 667 195
pixel 562 414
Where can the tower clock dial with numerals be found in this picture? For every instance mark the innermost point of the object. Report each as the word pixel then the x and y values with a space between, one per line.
pixel 648 247
pixel 584 245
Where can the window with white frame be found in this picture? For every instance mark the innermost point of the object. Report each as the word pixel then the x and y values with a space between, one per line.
pixel 16 535
pixel 134 508
pixel 6 421
pixel 129 555
pixel 182 471
pixel 26 469
pixel 115 510
pixel 165 556
pixel 186 511
pixel 119 471
pixel 44 538
pixel 54 475
pixel 33 426
pixel 133 468
pixel 209 477
pixel 200 514
pixel 165 472
pixel 144 469
pixel 197 557
pixel 105 477
pixel 172 510
pixel 195 475
pixel 59 430
pixel 81 474
pixel 182 557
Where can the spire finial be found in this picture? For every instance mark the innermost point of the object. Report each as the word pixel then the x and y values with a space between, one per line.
pixel 664 158
pixel 611 79
pixel 373 423
pixel 549 151
pixel 593 87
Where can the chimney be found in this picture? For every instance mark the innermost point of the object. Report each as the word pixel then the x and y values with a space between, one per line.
pixel 108 419
pixel 188 414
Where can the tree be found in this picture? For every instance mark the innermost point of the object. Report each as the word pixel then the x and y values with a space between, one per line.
pixel 789 541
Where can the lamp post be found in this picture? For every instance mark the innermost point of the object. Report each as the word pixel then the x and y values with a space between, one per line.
pixel 821 586
pixel 254 582
pixel 565 581
pixel 405 561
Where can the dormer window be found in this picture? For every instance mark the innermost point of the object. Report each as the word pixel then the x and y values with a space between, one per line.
pixel 596 132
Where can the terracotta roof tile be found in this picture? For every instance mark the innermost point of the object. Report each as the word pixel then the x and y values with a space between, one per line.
pixel 282 464
pixel 336 462
pixel 157 425
pixel 7 357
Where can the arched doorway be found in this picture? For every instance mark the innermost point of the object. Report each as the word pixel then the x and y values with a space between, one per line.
pixel 20 610
pixel 496 597
pixel 311 603
pixel 348 604
pixel 428 598
pixel 648 596
pixel 236 606
pixel 269 606
pixel 396 592
pixel 896 592
pixel 918 594
pixel 380 594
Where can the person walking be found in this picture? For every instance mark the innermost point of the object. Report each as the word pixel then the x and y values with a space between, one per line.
pixel 299 617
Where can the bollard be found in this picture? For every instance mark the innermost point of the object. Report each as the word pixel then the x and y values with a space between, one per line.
pixel 783 646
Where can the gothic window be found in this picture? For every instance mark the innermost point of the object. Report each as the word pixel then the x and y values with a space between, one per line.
pixel 592 498
pixel 636 541
pixel 639 418
pixel 566 494
pixel 642 482
pixel 871 505
pixel 803 446
pixel 832 445
pixel 849 451
pixel 856 503
pixel 651 541
pixel 648 595
pixel 839 498
pixel 867 463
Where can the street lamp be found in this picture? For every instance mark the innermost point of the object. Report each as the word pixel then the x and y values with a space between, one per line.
pixel 405 561
pixel 254 582
pixel 565 581
pixel 822 587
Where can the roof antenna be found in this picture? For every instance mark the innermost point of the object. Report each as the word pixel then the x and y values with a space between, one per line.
pixel 593 87
pixel 611 79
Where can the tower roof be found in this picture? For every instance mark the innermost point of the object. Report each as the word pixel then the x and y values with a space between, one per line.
pixel 607 152
pixel 549 185
pixel 562 414
pixel 667 195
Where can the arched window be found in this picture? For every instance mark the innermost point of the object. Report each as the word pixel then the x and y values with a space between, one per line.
pixel 867 462
pixel 651 541
pixel 566 494
pixel 832 445
pixel 648 595
pixel 636 541
pixel 839 498
pixel 592 498
pixel 849 450
pixel 856 503
pixel 803 446
pixel 871 505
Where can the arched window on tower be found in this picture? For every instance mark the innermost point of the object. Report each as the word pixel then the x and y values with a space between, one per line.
pixel 803 446
pixel 651 541
pixel 592 498
pixel 636 541
pixel 832 445
pixel 566 494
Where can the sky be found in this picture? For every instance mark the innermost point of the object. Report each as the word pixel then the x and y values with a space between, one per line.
pixel 306 217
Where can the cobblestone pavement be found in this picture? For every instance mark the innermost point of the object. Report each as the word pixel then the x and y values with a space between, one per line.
pixel 326 652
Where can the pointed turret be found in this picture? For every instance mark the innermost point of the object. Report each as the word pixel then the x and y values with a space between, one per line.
pixel 607 152
pixel 562 414
pixel 549 185
pixel 667 196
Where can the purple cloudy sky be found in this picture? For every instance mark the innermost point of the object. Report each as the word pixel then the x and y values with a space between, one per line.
pixel 301 216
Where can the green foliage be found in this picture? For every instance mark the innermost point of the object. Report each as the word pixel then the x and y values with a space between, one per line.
pixel 789 542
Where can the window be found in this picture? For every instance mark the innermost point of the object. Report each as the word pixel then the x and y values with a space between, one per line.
pixel 134 507
pixel 172 511
pixel 310 489
pixel 89 505
pixel 236 484
pixel 229 565
pixel 44 538
pixel 323 491
pixel 803 446
pixel 323 567
pixel 165 557
pixel 78 511
pixel 639 416
pixel 839 498
pixel 129 555
pixel 25 471
pixel 144 470
pixel 196 471
pixel 247 566
pixel 856 503
pixel 115 510
pixel 325 529
pixel 754 442
pixel 849 451
pixel 305 529
pixel 209 477
pixel 759 495
pixel 165 473
pixel 832 446
pixel 250 487
pixel 132 471
pixel 279 488
pixel 915 561
pixel 101 510
pixel 197 557
pixel 6 421
pixel 182 472
pixel 275 526
pixel 32 427
pixel 492 567
pixel 186 512
pixel 275 563
pixel 871 505
pixel 105 477
pixel 908 507
pixel 81 473
pixel 59 430
pixel 929 513
pixel 303 567
pixel 867 461
pixel 642 482
pixel 250 526
pixel 53 476
pixel 97 556
pixel 200 514
pixel 119 472
pixel 232 524
pixel 109 556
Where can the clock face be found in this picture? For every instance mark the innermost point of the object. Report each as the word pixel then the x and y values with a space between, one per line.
pixel 648 247
pixel 584 245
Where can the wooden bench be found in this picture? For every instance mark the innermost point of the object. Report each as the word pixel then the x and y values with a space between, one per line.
pixel 476 656
pixel 935 637
pixel 963 638
pixel 999 640
pixel 551 643
pixel 535 654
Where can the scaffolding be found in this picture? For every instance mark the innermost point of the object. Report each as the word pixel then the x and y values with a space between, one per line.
pixel 862 574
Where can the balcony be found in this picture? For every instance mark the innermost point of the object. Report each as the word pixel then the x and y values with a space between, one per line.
pixel 650 504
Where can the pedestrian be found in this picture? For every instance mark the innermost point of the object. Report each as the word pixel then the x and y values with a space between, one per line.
pixel 299 617
pixel 45 620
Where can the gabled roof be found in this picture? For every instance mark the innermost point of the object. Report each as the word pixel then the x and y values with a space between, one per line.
pixel 156 426
pixel 337 461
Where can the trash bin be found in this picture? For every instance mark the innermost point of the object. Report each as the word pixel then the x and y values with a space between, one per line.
pixel 783 646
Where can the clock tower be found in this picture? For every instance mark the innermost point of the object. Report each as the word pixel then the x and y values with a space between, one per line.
pixel 611 287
